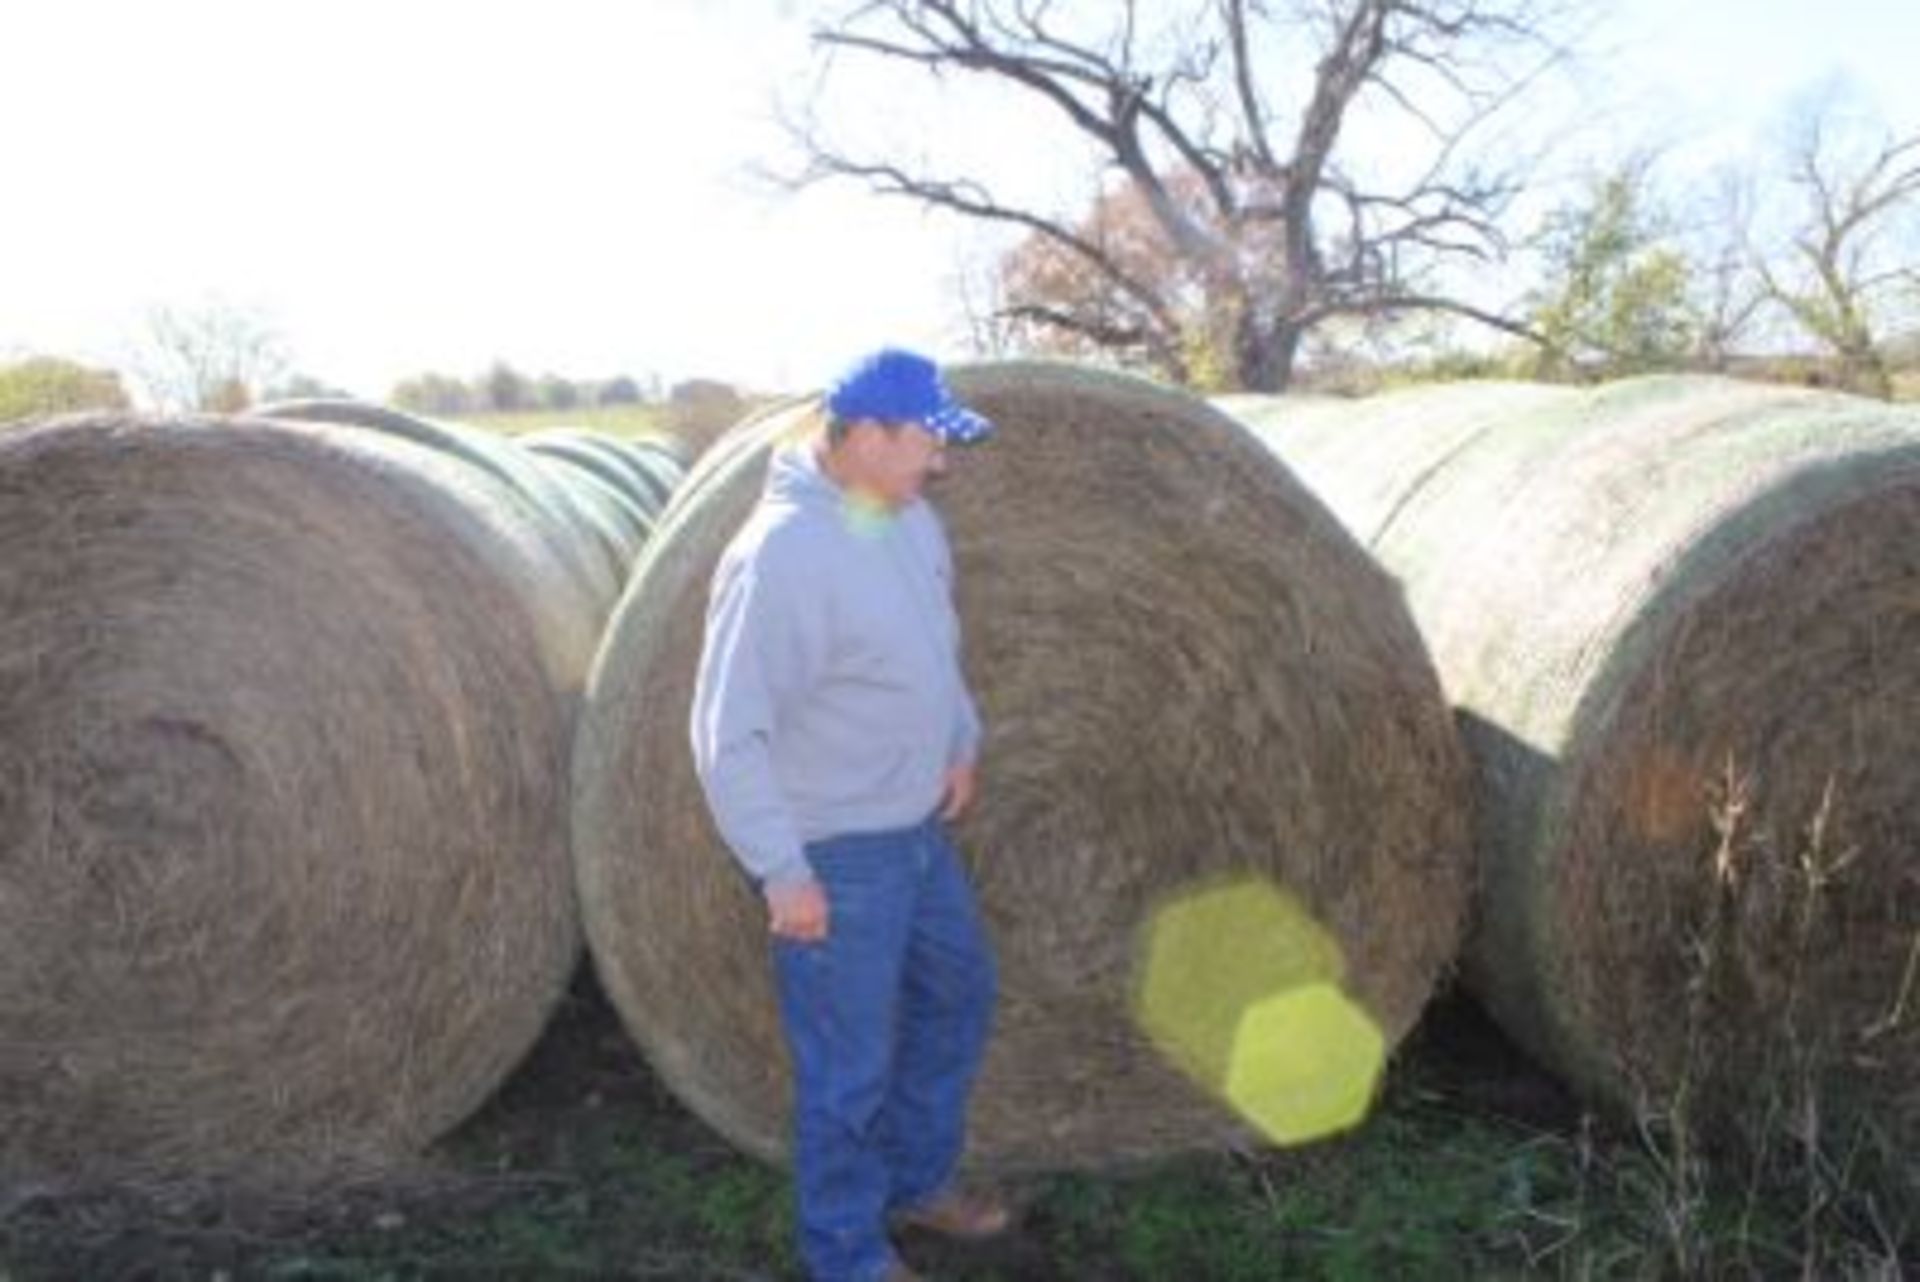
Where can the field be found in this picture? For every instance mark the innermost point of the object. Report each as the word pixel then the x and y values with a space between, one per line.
pixel 1475 1165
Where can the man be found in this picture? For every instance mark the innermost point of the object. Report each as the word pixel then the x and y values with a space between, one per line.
pixel 835 739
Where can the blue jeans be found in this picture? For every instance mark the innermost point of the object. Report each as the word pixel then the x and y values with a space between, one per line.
pixel 886 1019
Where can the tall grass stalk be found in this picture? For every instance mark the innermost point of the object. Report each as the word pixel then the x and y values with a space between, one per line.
pixel 1817 1183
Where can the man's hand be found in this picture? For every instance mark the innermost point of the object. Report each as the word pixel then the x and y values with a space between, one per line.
pixel 962 783
pixel 797 911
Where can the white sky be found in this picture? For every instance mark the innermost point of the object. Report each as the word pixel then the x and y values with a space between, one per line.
pixel 405 185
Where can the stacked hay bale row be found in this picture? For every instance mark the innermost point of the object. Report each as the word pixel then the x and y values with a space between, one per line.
pixel 1680 619
pixel 284 723
pixel 629 481
pixel 602 492
pixel 284 718
pixel 1190 672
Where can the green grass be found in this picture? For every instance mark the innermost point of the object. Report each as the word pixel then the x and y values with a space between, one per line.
pixel 584 1167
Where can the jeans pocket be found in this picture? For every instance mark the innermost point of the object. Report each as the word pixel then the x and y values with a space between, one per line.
pixel 802 970
pixel 856 880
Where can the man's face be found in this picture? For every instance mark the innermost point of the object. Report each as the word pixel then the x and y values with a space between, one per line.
pixel 892 463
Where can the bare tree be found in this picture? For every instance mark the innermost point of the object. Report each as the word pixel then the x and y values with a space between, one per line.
pixel 1729 291
pixel 981 299
pixel 208 357
pixel 433 393
pixel 504 388
pixel 1851 270
pixel 1260 228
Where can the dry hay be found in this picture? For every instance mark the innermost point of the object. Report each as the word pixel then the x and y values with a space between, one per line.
pixel 1648 600
pixel 1186 669
pixel 596 551
pixel 283 880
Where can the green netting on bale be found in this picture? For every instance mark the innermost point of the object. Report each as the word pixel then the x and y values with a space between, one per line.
pixel 1663 607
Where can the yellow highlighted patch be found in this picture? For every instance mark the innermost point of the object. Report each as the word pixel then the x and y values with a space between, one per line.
pixel 1241 989
pixel 1305 1064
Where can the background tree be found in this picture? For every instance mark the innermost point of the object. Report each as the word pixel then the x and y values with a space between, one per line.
pixel 1058 300
pixel 1230 223
pixel 209 357
pixel 432 394
pixel 556 393
pixel 698 410
pixel 1849 275
pixel 50 385
pixel 229 396
pixel 1729 294
pixel 1616 298
pixel 505 389
pixel 618 390
pixel 304 387
pixel 976 286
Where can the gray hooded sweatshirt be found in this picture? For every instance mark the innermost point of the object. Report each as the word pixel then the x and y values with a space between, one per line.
pixel 830 698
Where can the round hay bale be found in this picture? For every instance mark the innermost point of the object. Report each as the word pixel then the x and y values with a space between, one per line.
pixel 654 468
pixel 607 480
pixel 656 457
pixel 725 451
pixel 1655 603
pixel 284 886
pixel 610 516
pixel 571 445
pixel 647 477
pixel 1187 671
pixel 575 527
pixel 663 459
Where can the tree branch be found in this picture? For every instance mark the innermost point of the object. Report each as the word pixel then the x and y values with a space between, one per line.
pixel 1252 119
pixel 1410 301
pixel 974 201
pixel 1214 239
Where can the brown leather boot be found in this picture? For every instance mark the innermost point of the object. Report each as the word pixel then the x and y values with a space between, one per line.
pixel 957 1213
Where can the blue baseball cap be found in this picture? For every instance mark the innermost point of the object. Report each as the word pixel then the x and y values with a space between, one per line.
pixel 894 385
